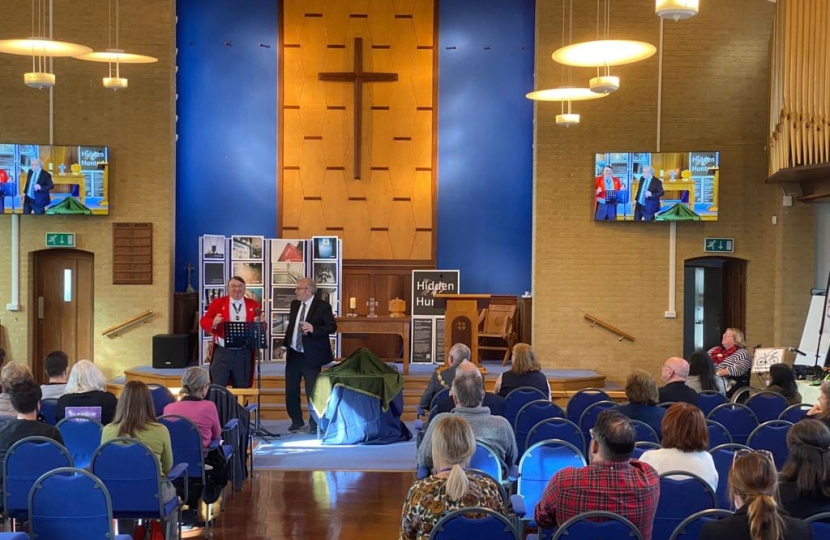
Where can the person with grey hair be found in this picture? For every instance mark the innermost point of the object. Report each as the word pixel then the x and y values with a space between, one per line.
pixel 38 185
pixel 674 372
pixel 647 200
pixel 443 376
pixel 12 373
pixel 492 401
pixel 194 407
pixel 87 392
pixel 494 431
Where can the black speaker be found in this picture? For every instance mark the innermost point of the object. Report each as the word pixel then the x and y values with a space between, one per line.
pixel 171 351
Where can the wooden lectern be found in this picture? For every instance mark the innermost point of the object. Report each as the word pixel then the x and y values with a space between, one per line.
pixel 461 321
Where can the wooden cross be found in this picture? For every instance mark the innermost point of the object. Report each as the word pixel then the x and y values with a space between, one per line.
pixel 358 77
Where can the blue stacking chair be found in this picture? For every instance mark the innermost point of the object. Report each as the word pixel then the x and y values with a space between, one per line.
pixel 581 400
pixel 483 524
pixel 433 406
pixel 772 436
pixel 70 503
pixel 131 473
pixel 723 456
pixel 518 398
pixel 18 536
pixel 161 397
pixel 487 461
pixel 681 495
pixel 557 428
pixel 530 415
pixel 690 528
pixel 708 400
pixel 738 419
pixel 591 413
pixel 767 405
pixel 583 527
pixel 27 460
pixel 537 466
pixel 795 413
pixel 666 404
pixel 642 447
pixel 49 410
pixel 819 523
pixel 644 432
pixel 718 434
pixel 81 435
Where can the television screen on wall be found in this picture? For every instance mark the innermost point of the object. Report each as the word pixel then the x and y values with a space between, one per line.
pixel 651 186
pixel 54 180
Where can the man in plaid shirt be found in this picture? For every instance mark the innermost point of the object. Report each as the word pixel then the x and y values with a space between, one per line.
pixel 612 482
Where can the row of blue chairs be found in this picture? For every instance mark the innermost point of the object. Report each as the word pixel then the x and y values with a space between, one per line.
pixel 161 398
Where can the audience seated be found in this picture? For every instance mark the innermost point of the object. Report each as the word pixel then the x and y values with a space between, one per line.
pixel 24 395
pixel 443 375
pixel 612 482
pixel 821 409
pixel 702 374
pixel 494 431
pixel 493 402
pixel 685 444
pixel 195 384
pixel 525 370
pixel 782 381
pixel 674 373
pixel 804 487
pixel 641 391
pixel 12 373
pixel 86 388
pixel 451 487
pixel 753 481
pixel 56 366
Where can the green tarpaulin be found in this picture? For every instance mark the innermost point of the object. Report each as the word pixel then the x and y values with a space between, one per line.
pixel 362 372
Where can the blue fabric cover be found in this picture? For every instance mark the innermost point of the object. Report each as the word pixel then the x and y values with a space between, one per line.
pixel 355 418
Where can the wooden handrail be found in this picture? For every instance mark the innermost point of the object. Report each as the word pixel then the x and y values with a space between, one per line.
pixel 620 334
pixel 113 330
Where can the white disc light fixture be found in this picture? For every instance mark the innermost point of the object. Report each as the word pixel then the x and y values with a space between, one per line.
pixel 677 9
pixel 604 52
pixel 41 48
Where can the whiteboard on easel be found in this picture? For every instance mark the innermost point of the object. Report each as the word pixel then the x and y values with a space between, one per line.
pixel 809 338
pixel 764 358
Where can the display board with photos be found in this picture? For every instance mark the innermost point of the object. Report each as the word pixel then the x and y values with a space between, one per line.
pixel 271 269
pixel 428 313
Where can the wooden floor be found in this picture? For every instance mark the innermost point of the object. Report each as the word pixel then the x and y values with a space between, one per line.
pixel 316 505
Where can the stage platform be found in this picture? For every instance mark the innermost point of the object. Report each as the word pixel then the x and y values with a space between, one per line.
pixel 563 383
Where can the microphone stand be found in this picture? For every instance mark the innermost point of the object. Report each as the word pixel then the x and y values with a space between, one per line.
pixel 816 369
pixel 258 429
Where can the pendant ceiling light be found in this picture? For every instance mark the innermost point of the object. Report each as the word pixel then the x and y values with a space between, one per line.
pixel 677 9
pixel 115 56
pixel 40 47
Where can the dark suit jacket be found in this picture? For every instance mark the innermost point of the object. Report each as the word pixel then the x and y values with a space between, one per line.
pixel 800 507
pixel 316 345
pixel 678 391
pixel 736 527
pixel 656 188
pixel 42 197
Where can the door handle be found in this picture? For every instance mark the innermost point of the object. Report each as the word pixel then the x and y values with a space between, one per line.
pixel 40 303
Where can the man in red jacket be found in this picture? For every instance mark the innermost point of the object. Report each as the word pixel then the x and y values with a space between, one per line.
pixel 606 210
pixel 226 363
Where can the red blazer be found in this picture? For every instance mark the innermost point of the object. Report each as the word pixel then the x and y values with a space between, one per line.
pixel 599 182
pixel 222 306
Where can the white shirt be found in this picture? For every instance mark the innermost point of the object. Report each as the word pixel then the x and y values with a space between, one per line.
pixel 307 304
pixel 671 459
pixel 237 314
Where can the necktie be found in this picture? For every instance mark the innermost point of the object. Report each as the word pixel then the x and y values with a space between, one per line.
pixel 643 191
pixel 300 321
pixel 31 192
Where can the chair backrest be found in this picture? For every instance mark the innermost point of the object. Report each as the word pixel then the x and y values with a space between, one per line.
pixel 795 413
pixel 540 462
pixel 689 529
pixel 186 441
pixel 666 404
pixel 81 435
pixel 498 319
pixel 26 461
pixel 162 397
pixel 586 527
pixel 642 447
pixel 437 398
pixel 70 503
pixel 581 400
pixel 49 410
pixel 556 428
pixel 767 405
pixel 723 456
pixel 479 523
pixel 772 436
pixel 531 414
pixel 820 524
pixel 718 434
pixel 486 460
pixel 681 495
pixel 644 432
pixel 738 419
pixel 132 475
pixel 518 398
pixel 591 413
pixel 708 400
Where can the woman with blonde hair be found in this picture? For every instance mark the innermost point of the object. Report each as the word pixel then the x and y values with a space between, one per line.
pixel 451 487
pixel 86 391
pixel 732 360
pixel 11 374
pixel 753 482
pixel 525 370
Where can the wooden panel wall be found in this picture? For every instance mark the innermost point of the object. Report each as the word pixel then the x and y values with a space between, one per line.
pixel 388 214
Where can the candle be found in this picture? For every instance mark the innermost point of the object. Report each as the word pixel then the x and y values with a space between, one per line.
pixel 352 303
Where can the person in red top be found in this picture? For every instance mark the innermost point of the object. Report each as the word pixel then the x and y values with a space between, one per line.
pixel 606 211
pixel 231 363
pixel 732 360
pixel 612 482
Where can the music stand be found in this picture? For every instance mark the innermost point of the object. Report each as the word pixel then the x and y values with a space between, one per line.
pixel 251 336
pixel 7 189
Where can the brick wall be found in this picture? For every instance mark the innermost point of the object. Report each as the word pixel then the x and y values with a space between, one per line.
pixel 139 127
pixel 715 87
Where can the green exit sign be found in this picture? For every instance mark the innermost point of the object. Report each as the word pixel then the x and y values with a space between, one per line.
pixel 60 239
pixel 719 245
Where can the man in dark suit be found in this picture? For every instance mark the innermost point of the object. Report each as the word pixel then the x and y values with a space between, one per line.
pixel 674 373
pixel 38 186
pixel 647 201
pixel 307 344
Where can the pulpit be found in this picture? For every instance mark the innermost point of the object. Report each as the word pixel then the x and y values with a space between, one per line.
pixel 461 321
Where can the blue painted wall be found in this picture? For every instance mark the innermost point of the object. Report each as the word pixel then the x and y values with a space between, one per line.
pixel 228 131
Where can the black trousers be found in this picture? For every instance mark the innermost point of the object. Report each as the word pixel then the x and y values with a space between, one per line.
pixel 296 368
pixel 231 363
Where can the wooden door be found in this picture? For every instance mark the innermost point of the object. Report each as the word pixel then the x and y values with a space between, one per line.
pixel 62 313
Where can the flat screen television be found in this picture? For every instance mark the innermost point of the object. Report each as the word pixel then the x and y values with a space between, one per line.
pixel 651 186
pixel 73 180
